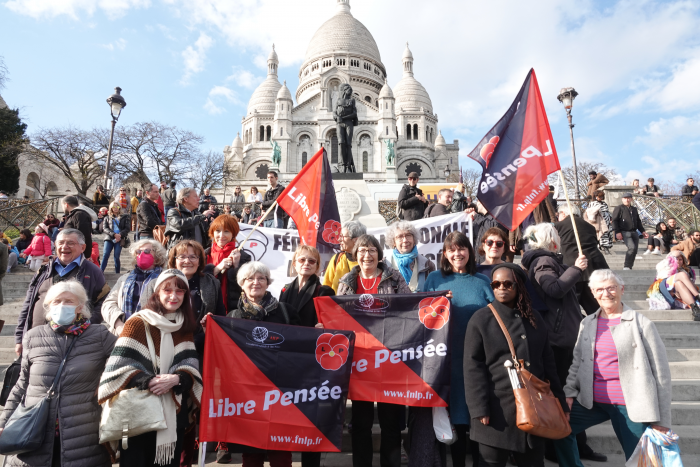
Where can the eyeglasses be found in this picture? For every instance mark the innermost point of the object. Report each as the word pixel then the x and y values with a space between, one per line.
pixel 612 290
pixel 367 251
pixel 404 237
pixel 68 244
pixel 258 280
pixel 145 250
pixel 349 237
pixel 190 258
pixel 499 243
pixel 311 261
pixel 411 178
pixel 174 291
pixel 507 284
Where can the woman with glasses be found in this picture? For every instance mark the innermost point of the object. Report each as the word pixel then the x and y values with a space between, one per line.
pixel 469 291
pixel 372 276
pixel 129 295
pixel 620 372
pixel 493 245
pixel 489 391
pixel 402 236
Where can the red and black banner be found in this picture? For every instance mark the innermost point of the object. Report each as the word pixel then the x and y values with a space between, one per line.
pixel 402 352
pixel 517 155
pixel 273 386
pixel 310 200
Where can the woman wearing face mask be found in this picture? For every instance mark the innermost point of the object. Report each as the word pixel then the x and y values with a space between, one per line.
pixel 125 299
pixel 224 259
pixel 170 321
pixel 70 439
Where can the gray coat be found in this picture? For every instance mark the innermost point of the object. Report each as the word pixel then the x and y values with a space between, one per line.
pixel 76 406
pixel 392 282
pixel 645 375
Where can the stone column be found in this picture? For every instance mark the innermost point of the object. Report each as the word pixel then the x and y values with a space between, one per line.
pixel 613 195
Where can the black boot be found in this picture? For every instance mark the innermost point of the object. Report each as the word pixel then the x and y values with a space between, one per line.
pixel 695 309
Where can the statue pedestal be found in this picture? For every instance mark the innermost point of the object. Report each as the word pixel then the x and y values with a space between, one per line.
pixel 391 176
pixel 355 201
pixel 613 195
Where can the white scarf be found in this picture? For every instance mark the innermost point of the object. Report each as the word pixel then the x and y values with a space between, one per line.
pixel 165 439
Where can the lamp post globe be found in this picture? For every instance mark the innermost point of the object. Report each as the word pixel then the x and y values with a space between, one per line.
pixel 116 103
pixel 447 173
pixel 566 97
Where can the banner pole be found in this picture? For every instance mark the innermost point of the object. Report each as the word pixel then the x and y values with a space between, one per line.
pixel 202 453
pixel 571 212
pixel 240 247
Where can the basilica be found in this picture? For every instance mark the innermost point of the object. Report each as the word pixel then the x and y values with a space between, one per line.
pixel 342 51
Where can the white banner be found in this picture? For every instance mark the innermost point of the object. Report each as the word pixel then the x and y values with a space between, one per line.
pixel 275 247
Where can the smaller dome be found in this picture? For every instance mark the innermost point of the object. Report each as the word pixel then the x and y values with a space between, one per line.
pixel 407 54
pixel 284 93
pixel 386 92
pixel 237 143
pixel 273 55
pixel 263 99
pixel 440 140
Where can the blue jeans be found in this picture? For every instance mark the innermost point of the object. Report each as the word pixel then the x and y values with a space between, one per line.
pixel 109 246
pixel 271 223
pixel 627 431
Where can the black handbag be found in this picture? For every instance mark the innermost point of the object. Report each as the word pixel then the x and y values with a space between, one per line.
pixel 27 426
pixel 10 379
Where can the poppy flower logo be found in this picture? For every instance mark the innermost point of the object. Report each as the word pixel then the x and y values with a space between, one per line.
pixel 487 150
pixel 434 313
pixel 331 232
pixel 332 350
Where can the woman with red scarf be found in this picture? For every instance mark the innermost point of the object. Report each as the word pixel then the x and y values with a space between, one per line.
pixel 224 260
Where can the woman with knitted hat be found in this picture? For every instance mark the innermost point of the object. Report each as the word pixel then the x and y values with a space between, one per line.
pixel 169 319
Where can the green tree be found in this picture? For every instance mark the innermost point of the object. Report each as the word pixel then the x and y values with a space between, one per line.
pixel 12 141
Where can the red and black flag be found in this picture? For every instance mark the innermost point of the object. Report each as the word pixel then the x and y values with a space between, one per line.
pixel 402 346
pixel 517 155
pixel 273 386
pixel 310 200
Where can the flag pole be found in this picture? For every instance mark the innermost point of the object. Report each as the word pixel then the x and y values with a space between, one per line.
pixel 571 212
pixel 240 247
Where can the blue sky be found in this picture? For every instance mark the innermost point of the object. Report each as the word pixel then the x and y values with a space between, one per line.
pixel 195 63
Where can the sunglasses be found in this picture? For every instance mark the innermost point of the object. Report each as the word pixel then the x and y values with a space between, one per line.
pixel 507 284
pixel 499 243
pixel 311 261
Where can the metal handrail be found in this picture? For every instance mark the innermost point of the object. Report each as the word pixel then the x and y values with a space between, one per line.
pixel 653 210
pixel 18 214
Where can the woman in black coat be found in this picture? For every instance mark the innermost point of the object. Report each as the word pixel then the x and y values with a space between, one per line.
pixel 489 392
pixel 300 295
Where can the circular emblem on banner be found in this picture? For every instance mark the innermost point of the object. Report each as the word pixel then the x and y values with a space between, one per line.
pixel 366 300
pixel 260 334
pixel 332 350
pixel 434 313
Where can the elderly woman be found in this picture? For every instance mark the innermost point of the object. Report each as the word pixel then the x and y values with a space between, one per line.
pixel 372 276
pixel 224 259
pixel 674 287
pixel 492 246
pixel 469 292
pixel 402 237
pixel 125 298
pixel 620 372
pixel 169 320
pixel 341 263
pixel 116 227
pixel 72 433
pixel 489 391
pixel 300 293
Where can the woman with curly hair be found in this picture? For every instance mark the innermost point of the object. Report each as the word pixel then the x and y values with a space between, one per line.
pixel 674 287
pixel 489 392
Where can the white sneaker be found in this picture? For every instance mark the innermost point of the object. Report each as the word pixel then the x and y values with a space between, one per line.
pixel 648 252
pixel 655 252
pixel 626 269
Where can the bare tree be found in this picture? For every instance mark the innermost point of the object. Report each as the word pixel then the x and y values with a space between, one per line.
pixel 4 72
pixel 583 178
pixel 74 152
pixel 471 177
pixel 206 171
pixel 130 154
pixel 171 150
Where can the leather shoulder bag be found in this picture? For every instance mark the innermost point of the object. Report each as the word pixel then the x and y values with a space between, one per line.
pixel 27 426
pixel 538 412
pixel 133 411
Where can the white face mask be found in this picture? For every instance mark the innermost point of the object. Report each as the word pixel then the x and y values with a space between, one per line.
pixel 63 314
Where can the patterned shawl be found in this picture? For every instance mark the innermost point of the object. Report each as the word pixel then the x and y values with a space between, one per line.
pixel 142 277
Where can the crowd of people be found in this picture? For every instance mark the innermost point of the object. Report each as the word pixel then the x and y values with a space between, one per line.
pixel 200 270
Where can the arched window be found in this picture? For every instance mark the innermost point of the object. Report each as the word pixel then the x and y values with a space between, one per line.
pixel 427 136
pixel 365 162
pixel 262 133
pixel 387 131
pixel 368 99
pixel 281 131
pixel 432 135
pixel 269 133
pixel 334 148
pixel 408 131
pixel 304 156
pixel 415 131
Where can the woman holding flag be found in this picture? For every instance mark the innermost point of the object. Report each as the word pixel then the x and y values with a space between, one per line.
pixel 224 259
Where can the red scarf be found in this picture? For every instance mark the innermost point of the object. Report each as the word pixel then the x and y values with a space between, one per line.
pixel 216 256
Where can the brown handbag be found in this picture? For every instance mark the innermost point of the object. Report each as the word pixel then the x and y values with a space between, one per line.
pixel 538 412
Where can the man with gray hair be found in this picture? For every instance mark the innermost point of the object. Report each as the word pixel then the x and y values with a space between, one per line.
pixel 184 221
pixel 69 263
pixel 79 217
pixel 341 263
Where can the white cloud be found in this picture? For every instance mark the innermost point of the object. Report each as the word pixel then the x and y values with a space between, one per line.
pixel 119 44
pixel 663 132
pixel 73 8
pixel 662 169
pixel 194 57
pixel 217 94
pixel 245 78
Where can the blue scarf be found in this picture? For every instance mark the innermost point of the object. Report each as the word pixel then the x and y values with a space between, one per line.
pixel 405 260
pixel 136 277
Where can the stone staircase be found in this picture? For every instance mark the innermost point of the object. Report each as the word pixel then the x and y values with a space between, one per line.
pixel 680 334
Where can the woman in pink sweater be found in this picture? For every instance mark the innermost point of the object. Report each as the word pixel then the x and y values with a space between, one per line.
pixel 39 249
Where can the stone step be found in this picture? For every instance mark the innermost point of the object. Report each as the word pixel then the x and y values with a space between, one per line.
pixel 602 439
pixel 681 355
pixel 686 390
pixel 686 370
pixel 677 327
pixel 681 341
pixel 686 414
pixel 667 315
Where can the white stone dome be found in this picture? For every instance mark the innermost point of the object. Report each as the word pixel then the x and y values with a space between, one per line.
pixel 440 140
pixel 284 93
pixel 342 33
pixel 237 142
pixel 386 92
pixel 409 93
pixel 263 99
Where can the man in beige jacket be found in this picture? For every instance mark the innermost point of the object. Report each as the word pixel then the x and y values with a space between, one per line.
pixel 596 182
pixel 688 246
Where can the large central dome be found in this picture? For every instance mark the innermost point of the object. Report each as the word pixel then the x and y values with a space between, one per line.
pixel 343 34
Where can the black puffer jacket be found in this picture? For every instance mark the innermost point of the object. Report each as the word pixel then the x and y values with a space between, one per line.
pixel 76 408
pixel 183 224
pixel 556 285
pixel 412 208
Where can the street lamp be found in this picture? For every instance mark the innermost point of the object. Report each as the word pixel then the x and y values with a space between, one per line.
pixel 566 96
pixel 116 104
pixel 447 172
